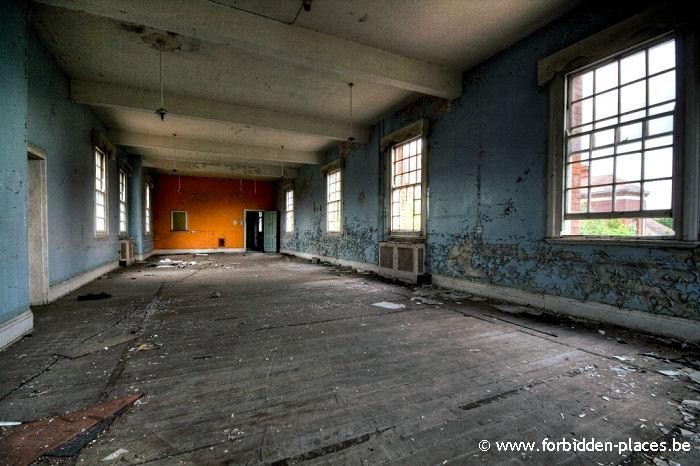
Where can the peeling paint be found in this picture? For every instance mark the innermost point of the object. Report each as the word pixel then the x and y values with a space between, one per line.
pixel 356 242
pixel 487 165
pixel 661 283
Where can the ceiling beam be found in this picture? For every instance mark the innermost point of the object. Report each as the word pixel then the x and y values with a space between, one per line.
pixel 221 170
pixel 222 151
pixel 216 23
pixel 102 94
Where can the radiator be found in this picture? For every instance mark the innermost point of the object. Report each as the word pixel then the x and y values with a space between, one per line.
pixel 402 261
pixel 126 252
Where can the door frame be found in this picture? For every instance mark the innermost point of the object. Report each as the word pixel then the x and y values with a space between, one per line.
pixel 245 227
pixel 37 154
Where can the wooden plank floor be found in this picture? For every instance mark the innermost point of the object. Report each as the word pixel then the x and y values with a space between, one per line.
pixel 293 363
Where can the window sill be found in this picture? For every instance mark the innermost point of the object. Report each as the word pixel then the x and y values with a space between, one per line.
pixel 102 236
pixel 406 238
pixel 642 242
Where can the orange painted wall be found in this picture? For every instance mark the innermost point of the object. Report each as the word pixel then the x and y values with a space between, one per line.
pixel 215 210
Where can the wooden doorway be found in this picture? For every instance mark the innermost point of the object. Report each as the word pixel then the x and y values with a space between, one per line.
pixel 37 226
pixel 260 230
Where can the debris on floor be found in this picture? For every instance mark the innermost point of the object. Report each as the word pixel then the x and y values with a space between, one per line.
pixel 686 372
pixel 297 339
pixel 692 404
pixel 169 263
pixel 94 296
pixel 143 347
pixel 622 371
pixel 389 305
pixel 426 300
pixel 26 443
pixel 9 423
pixel 216 294
pixel 115 455
pixel 623 358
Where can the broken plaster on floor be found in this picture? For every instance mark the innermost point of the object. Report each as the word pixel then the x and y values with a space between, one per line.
pixel 293 362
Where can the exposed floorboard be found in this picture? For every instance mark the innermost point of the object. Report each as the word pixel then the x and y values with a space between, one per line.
pixel 293 363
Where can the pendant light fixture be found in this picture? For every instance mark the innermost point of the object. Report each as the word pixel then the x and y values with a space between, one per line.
pixel 162 110
pixel 351 138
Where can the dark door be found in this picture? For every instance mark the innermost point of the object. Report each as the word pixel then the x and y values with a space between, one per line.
pixel 254 237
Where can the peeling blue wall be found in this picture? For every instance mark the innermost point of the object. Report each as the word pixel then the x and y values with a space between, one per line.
pixel 360 211
pixel 14 295
pixel 63 130
pixel 487 180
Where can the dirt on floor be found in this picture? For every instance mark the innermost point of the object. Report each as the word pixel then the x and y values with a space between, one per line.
pixel 267 359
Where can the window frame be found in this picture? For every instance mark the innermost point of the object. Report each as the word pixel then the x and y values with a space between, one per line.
pixel 97 152
pixel 417 129
pixel 123 202
pixel 289 227
pixel 172 220
pixel 410 234
pixel 339 171
pixel 621 39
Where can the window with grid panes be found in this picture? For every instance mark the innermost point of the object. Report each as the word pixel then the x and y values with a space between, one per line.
pixel 123 222
pixel 619 138
pixel 289 211
pixel 406 187
pixel 333 201
pixel 147 210
pixel 100 193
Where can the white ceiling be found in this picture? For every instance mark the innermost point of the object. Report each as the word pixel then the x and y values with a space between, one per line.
pixel 454 33
pixel 243 60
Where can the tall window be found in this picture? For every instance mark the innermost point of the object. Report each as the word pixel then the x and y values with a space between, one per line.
pixel 333 200
pixel 619 137
pixel 123 222
pixel 289 211
pixel 100 193
pixel 406 187
pixel 147 213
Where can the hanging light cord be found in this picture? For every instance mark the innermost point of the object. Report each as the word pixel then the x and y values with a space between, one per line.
pixel 160 69
pixel 161 112
pixel 351 138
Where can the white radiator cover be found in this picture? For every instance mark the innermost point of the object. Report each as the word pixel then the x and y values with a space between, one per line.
pixel 402 260
pixel 126 252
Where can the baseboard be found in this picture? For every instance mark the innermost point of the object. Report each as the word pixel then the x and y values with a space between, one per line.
pixel 334 260
pixel 16 328
pixel 197 251
pixel 59 290
pixel 675 327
